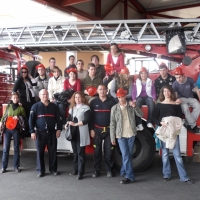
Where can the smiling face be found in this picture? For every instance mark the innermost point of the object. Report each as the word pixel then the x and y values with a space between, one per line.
pixel 163 73
pixel 143 76
pixel 102 91
pixel 56 73
pixel 41 71
pixel 79 65
pixel 95 60
pixel 24 73
pixel 15 98
pixel 122 100
pixel 78 99
pixel 179 78
pixel 167 93
pixel 72 75
pixel 113 49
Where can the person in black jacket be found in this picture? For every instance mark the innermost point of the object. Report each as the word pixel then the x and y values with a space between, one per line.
pixel 45 126
pixel 100 130
pixel 24 86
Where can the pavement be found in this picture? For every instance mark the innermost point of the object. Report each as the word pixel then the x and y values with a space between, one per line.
pixel 149 184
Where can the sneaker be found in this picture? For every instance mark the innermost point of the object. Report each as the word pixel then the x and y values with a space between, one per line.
pixel 139 127
pixel 17 170
pixel 3 170
pixel 39 175
pixel 150 125
pixel 189 181
pixel 96 174
pixel 166 179
pixel 109 174
pixel 55 173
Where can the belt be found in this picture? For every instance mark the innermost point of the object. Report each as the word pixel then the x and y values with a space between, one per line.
pixel 103 127
pixel 45 130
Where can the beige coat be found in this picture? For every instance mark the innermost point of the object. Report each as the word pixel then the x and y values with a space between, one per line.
pixel 169 133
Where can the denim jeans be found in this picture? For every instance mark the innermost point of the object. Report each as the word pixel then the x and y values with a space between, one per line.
pixel 6 147
pixel 178 159
pixel 145 101
pixel 126 146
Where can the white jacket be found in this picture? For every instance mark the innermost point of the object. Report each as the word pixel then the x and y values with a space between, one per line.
pixel 55 86
pixel 148 87
pixel 169 133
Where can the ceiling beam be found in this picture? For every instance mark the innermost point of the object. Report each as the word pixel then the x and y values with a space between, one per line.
pixel 125 9
pixel 165 16
pixel 69 9
pixel 72 2
pixel 173 8
pixel 109 9
pixel 98 8
pixel 138 6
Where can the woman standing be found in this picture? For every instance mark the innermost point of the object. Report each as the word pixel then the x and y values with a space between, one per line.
pixel 24 85
pixel 79 116
pixel 166 108
pixel 144 92
pixel 14 111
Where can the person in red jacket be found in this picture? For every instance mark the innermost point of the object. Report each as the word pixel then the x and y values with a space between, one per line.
pixel 72 82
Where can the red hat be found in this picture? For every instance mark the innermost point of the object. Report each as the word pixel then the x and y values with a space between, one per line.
pixel 143 69
pixel 24 67
pixel 40 65
pixel 178 71
pixel 108 68
pixel 72 70
pixel 121 92
pixel 91 90
pixel 11 123
pixel 124 70
pixel 162 66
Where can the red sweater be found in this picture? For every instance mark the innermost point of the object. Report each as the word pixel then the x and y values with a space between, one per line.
pixel 76 87
pixel 119 64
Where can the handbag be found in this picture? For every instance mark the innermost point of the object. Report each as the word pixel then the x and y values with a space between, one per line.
pixel 68 133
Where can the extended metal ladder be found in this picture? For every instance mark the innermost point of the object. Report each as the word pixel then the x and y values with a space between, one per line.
pixel 96 33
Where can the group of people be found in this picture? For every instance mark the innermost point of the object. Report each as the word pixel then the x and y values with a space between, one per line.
pixel 110 116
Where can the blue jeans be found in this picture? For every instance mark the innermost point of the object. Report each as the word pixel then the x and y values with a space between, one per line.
pixel 126 146
pixel 178 159
pixel 6 147
pixel 145 101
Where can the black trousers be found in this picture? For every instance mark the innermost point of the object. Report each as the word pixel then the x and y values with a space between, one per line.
pixel 79 155
pixel 108 149
pixel 43 138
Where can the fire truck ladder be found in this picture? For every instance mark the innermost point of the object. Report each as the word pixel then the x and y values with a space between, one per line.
pixel 97 33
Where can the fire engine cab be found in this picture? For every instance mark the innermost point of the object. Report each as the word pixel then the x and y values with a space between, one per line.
pixel 175 40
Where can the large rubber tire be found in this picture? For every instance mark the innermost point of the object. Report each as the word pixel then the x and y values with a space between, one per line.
pixel 143 153
pixel 32 67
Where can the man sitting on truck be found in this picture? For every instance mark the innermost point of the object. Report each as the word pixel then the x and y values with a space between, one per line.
pixel 184 87
pixel 164 79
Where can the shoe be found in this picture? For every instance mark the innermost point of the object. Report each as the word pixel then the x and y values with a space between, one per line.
pixel 195 129
pixel 166 179
pixel 73 173
pixel 17 170
pixel 126 181
pixel 39 175
pixel 189 181
pixel 3 170
pixel 109 174
pixel 79 177
pixel 150 125
pixel 139 127
pixel 55 173
pixel 96 174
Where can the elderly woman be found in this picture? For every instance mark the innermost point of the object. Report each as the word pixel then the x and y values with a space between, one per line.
pixel 144 92
pixel 13 111
pixel 79 117
pixel 169 107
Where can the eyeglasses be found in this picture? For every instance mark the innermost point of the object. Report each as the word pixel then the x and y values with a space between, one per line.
pixel 23 72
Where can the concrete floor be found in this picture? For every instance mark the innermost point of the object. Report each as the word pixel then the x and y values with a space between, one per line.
pixel 149 184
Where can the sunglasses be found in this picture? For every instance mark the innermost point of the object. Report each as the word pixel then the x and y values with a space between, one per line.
pixel 23 72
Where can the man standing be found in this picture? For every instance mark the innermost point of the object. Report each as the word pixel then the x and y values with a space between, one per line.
pixel 81 72
pixel 100 130
pixel 44 117
pixel 100 71
pixel 164 79
pixel 123 127
pixel 71 65
pixel 52 64
pixel 41 80
pixel 184 87
pixel 90 80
